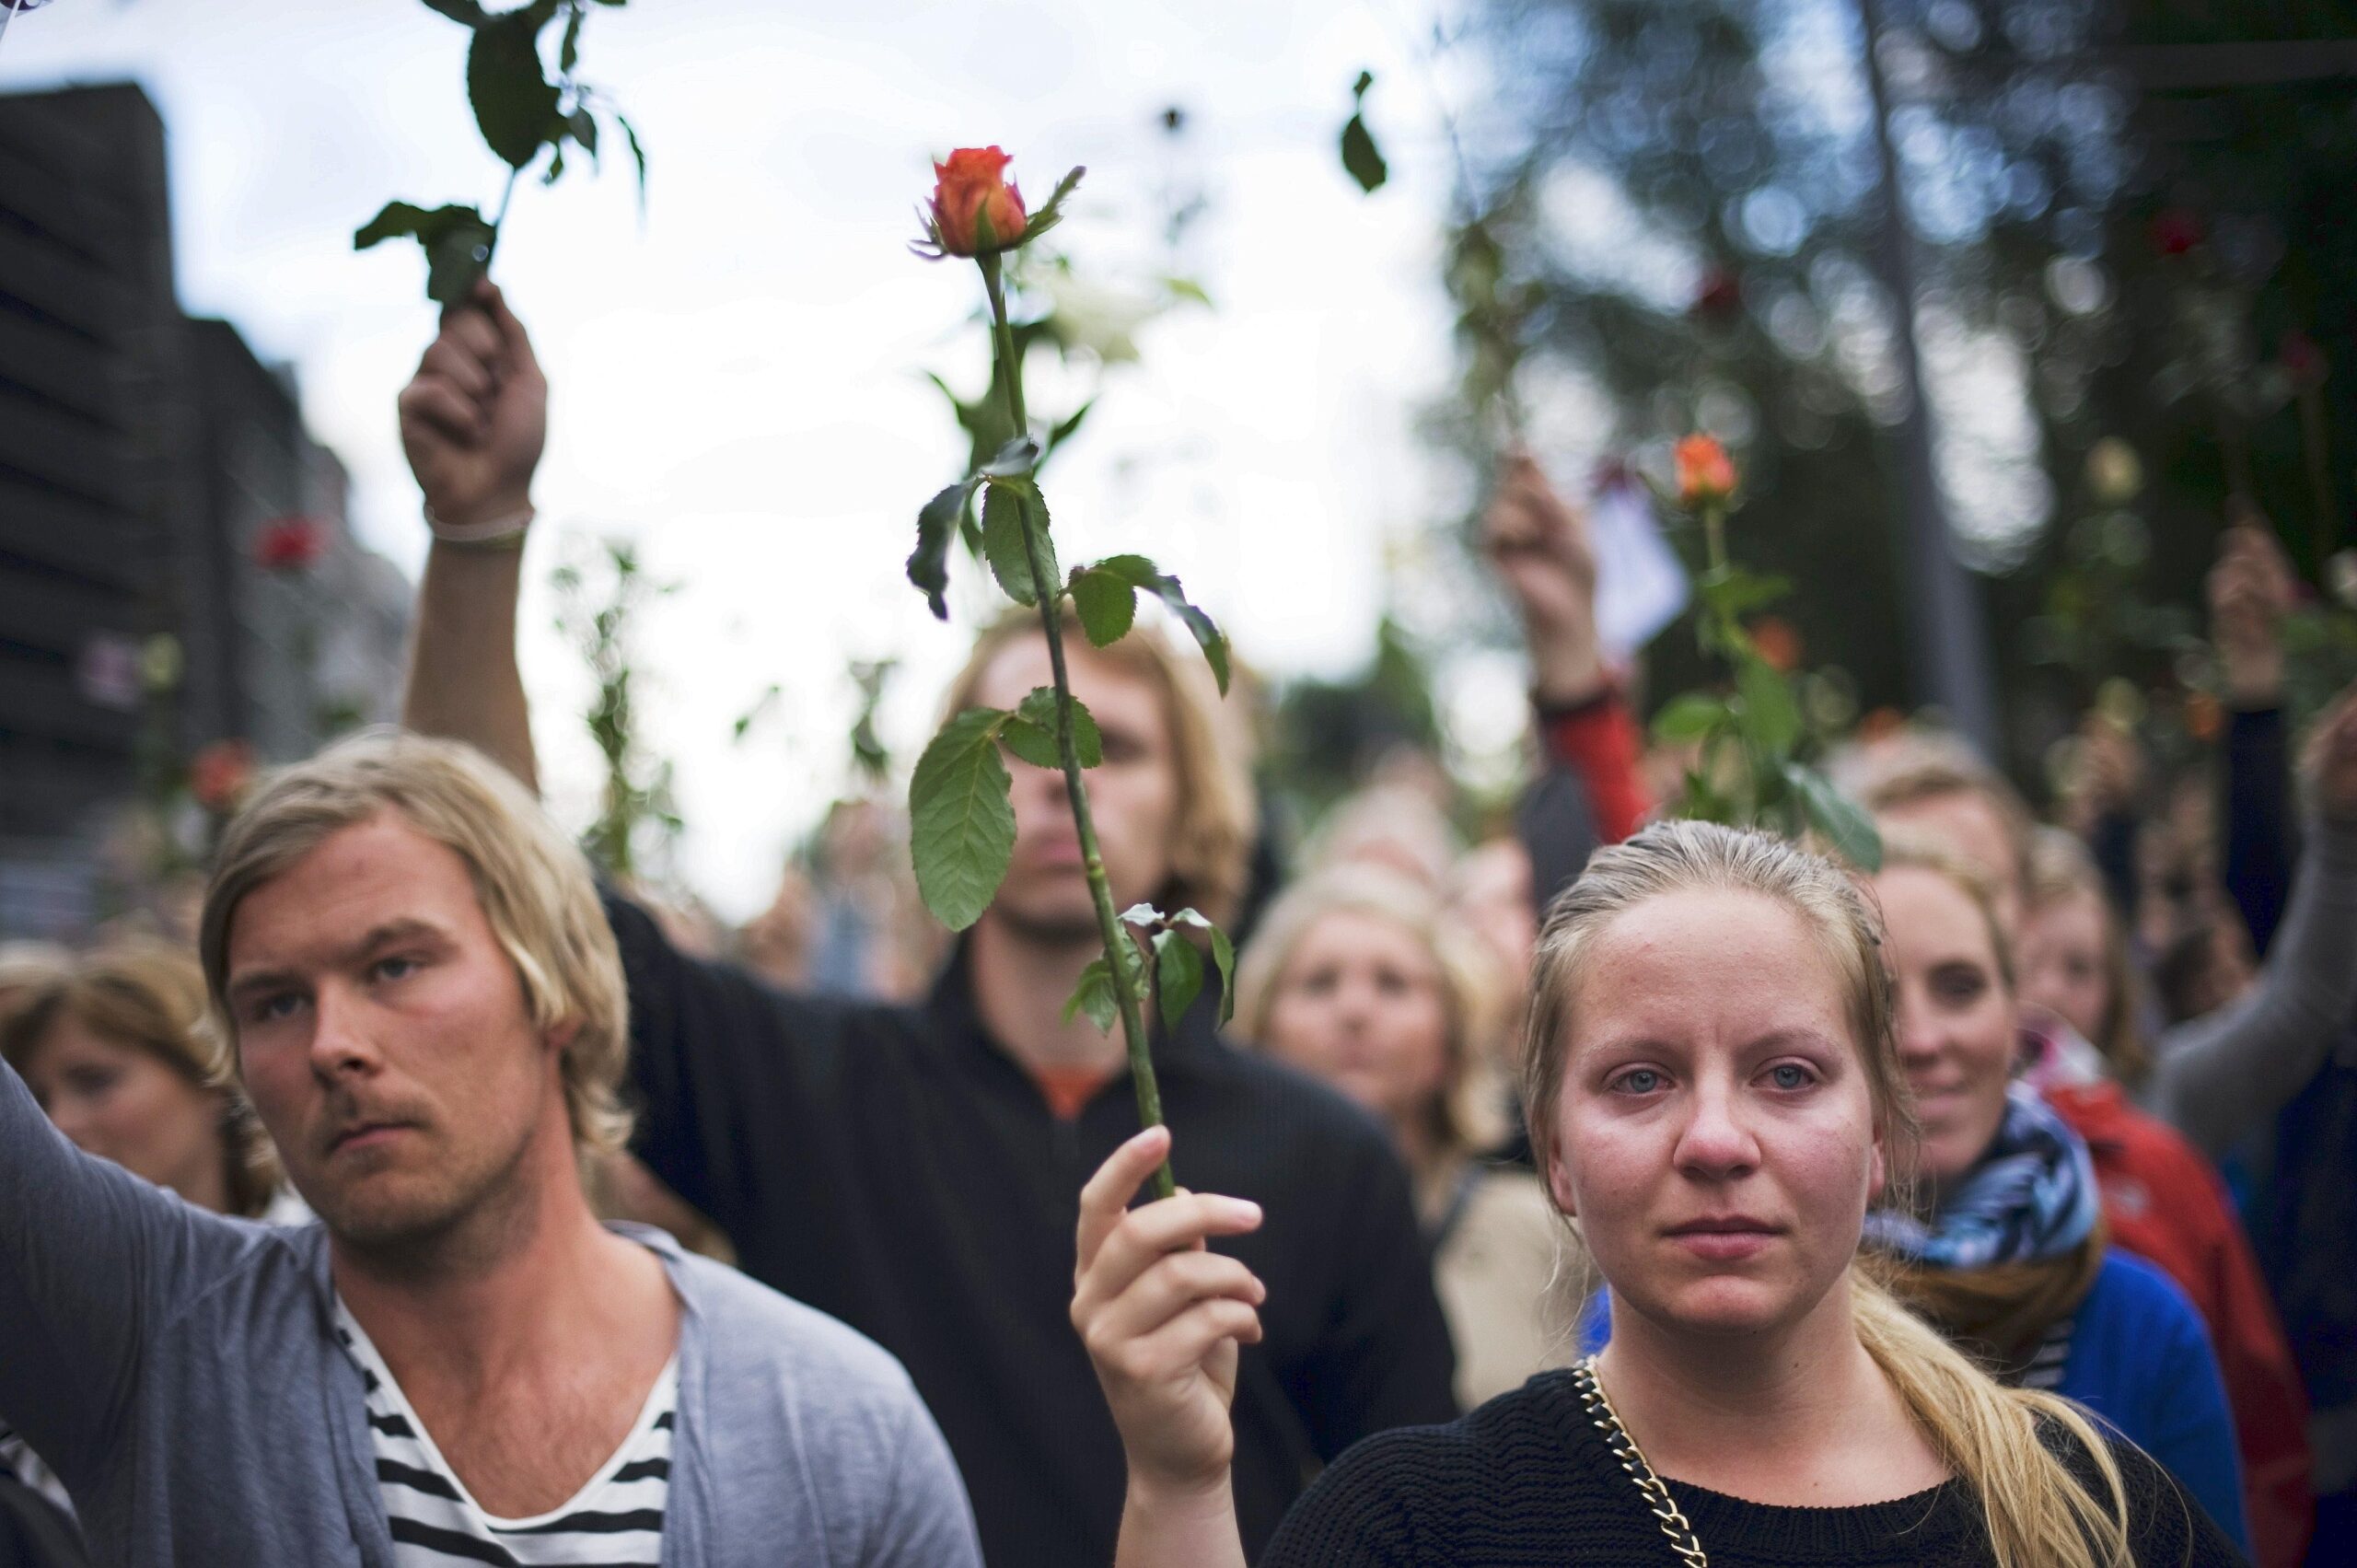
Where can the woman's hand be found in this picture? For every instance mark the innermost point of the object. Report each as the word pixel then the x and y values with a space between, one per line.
pixel 1163 1317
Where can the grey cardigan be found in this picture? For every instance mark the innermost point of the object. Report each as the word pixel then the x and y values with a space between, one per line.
pixel 177 1370
pixel 2223 1076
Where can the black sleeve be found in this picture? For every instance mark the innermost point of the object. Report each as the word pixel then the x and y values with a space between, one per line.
pixel 2257 826
pixel 1357 1514
pixel 2112 843
pixel 725 1071
pixel 1557 829
pixel 1385 1360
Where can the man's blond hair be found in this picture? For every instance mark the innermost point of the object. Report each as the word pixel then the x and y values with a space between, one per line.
pixel 1211 836
pixel 535 888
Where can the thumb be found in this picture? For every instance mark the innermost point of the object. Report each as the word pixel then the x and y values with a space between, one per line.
pixel 512 336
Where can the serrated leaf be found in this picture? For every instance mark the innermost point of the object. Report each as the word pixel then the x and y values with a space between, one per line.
pixel 1769 713
pixel 1039 708
pixel 1035 744
pixel 929 562
pixel 1107 606
pixel 1138 571
pixel 961 821
pixel 392 221
pixel 1177 976
pixel 1223 957
pixel 1052 211
pixel 1208 636
pixel 1689 716
pixel 515 103
pixel 1841 820
pixel 1002 545
pixel 582 126
pixel 1140 913
pixel 1094 995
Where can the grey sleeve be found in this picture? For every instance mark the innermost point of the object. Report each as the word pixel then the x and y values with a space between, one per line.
pixel 925 1520
pixel 91 1258
pixel 2218 1078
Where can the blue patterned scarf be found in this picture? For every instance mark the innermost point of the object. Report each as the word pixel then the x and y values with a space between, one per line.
pixel 2032 1197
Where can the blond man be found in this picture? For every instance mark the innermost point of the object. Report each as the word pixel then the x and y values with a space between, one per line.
pixel 912 1169
pixel 458 1363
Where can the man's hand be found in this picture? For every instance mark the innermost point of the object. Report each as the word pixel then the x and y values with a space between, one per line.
pixel 2329 761
pixel 2250 591
pixel 1541 547
pixel 475 415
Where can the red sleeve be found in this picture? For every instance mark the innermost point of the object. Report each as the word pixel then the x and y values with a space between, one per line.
pixel 1597 740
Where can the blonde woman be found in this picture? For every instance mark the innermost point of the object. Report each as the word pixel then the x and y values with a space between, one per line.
pixel 1358 976
pixel 1715 1090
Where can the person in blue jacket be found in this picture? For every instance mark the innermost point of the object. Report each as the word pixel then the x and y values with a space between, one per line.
pixel 2008 1253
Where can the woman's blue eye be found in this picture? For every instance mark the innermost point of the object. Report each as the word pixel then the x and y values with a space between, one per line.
pixel 1641 1081
pixel 1788 1075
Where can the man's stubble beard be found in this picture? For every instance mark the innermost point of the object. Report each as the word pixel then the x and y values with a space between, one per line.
pixel 457 1230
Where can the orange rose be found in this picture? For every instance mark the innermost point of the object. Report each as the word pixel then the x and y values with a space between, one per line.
pixel 1705 472
pixel 219 775
pixel 975 210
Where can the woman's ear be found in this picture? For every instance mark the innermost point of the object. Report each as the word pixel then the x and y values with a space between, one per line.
pixel 1878 1172
pixel 1559 1185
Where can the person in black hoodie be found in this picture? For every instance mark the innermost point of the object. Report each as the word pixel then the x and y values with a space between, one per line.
pixel 913 1170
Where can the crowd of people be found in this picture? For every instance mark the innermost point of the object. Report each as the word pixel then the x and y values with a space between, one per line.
pixel 1612 1190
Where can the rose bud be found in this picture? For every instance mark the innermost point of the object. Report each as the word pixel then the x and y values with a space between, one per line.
pixel 220 774
pixel 1705 472
pixel 2175 231
pixel 975 210
pixel 290 544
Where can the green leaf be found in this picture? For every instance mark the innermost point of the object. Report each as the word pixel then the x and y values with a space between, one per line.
pixel 1039 708
pixel 1689 716
pixel 1094 995
pixel 569 54
pixel 637 153
pixel 1177 976
pixel 1003 542
pixel 1841 822
pixel 515 103
pixel 1769 714
pixel 584 128
pixel 1066 430
pixel 1213 641
pixel 961 822
pixel 466 11
pixel 1051 211
pixel 1107 605
pixel 1034 743
pixel 392 221
pixel 929 562
pixel 1223 956
pixel 1018 459
pixel 1734 593
pixel 1141 914
pixel 1138 571
pixel 1361 159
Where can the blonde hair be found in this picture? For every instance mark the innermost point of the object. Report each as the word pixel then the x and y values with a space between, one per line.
pixel 1213 833
pixel 2037 1511
pixel 1466 1116
pixel 535 888
pixel 1920 768
pixel 149 996
pixel 2059 868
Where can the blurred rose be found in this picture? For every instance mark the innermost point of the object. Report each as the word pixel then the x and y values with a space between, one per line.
pixel 2205 720
pixel 2175 231
pixel 1778 643
pixel 968 189
pixel 1705 472
pixel 219 775
pixel 290 544
pixel 2115 473
pixel 1720 297
pixel 1880 725
pixel 2301 360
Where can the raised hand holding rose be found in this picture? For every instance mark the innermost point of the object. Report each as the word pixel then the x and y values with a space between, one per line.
pixel 1541 547
pixel 2250 590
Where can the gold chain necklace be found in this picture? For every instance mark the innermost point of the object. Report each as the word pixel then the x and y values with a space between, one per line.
pixel 1631 1458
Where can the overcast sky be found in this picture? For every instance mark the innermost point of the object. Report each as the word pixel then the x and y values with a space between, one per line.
pixel 737 381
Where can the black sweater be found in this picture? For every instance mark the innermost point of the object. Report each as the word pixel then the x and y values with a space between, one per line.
pixel 894 1167
pixel 1526 1481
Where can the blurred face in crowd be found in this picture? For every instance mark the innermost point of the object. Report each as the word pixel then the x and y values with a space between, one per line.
pixel 1958 1036
pixel 1361 1003
pixel 126 1104
pixel 1715 1134
pixel 1132 795
pixel 386 1040
pixel 2064 967
pixel 1968 824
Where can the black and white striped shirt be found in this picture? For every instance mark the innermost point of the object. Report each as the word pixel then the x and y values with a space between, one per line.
pixel 616 1521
